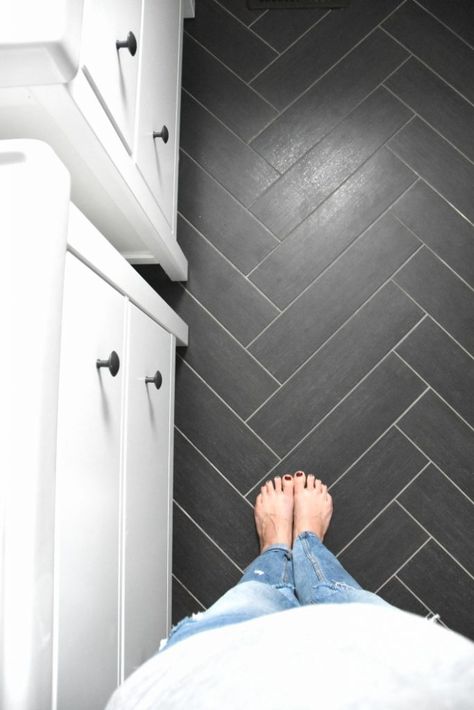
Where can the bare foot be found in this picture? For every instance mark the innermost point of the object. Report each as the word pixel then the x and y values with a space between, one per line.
pixel 274 512
pixel 313 506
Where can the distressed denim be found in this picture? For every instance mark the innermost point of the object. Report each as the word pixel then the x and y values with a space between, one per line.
pixel 277 580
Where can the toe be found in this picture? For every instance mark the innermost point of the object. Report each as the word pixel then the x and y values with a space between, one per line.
pixel 300 480
pixel 310 481
pixel 318 485
pixel 277 483
pixel 269 487
pixel 288 484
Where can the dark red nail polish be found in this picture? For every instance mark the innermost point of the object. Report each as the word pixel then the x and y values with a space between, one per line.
pixel 287 478
pixel 299 473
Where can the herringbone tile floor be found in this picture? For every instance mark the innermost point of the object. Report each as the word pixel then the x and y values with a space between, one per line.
pixel 326 200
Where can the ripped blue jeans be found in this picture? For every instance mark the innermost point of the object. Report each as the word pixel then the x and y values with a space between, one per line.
pixel 277 580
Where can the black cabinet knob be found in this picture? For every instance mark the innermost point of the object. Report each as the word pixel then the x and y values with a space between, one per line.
pixel 113 363
pixel 163 134
pixel 130 43
pixel 156 379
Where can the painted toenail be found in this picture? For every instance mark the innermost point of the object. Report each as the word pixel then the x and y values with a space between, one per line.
pixel 299 473
pixel 287 478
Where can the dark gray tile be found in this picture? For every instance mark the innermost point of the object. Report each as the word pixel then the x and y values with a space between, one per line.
pixel 443 585
pixel 183 603
pixel 282 28
pixel 220 360
pixel 458 15
pixel 320 48
pixel 444 511
pixel 228 159
pixel 356 422
pixel 443 364
pixel 439 291
pixel 321 108
pixel 444 438
pixel 311 180
pixel 370 485
pixel 320 310
pixel 226 517
pixel 397 594
pixel 435 45
pixel 216 431
pixel 441 165
pixel 332 227
pixel 221 218
pixel 223 93
pixel 436 103
pixel 200 566
pixel 241 50
pixel 222 289
pixel 438 225
pixel 315 389
pixel 382 548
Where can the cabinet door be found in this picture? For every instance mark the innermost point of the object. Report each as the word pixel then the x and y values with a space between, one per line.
pixel 113 72
pixel 147 490
pixel 158 101
pixel 87 503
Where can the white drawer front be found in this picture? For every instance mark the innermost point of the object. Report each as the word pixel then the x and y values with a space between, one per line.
pixel 159 101
pixel 113 72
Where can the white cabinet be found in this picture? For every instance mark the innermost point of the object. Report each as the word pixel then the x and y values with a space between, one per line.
pixel 87 462
pixel 98 92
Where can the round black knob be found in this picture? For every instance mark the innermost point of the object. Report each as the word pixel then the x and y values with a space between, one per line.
pixel 113 363
pixel 163 134
pixel 156 379
pixel 130 43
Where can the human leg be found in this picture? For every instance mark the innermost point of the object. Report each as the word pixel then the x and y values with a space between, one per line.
pixel 319 576
pixel 267 585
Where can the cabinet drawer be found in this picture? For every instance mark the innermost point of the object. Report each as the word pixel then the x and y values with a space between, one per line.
pixel 158 102
pixel 88 485
pixel 113 72
pixel 147 489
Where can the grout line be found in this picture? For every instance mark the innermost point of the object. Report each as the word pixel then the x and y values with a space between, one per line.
pixel 424 120
pixel 411 592
pixel 434 320
pixel 246 27
pixel 428 66
pixel 435 540
pixel 455 411
pixel 208 536
pixel 235 199
pixel 394 574
pixel 233 266
pixel 237 342
pixel 281 54
pixel 257 18
pixel 188 591
pixel 227 406
pixel 376 441
pixel 435 254
pixel 236 136
pixel 333 335
pixel 208 460
pixel 437 466
pixel 346 471
pixel 441 22
pixel 349 318
pixel 357 535
pixel 229 69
